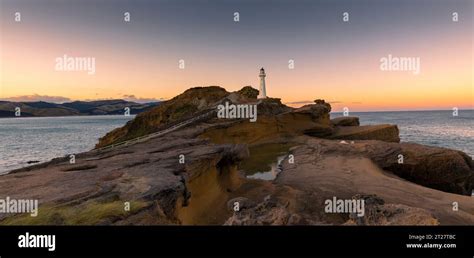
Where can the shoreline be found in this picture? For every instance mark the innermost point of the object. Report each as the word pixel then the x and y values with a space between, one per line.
pixel 332 112
pixel 192 174
pixel 402 111
pixel 28 117
pixel 132 116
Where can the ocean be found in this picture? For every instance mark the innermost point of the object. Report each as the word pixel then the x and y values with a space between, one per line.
pixel 434 128
pixel 41 139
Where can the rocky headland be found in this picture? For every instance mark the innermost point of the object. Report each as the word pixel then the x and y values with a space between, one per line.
pixel 196 173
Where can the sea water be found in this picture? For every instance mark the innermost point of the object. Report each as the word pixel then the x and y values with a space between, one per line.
pixel 434 128
pixel 25 141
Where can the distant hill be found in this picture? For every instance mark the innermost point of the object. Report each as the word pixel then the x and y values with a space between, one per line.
pixel 76 108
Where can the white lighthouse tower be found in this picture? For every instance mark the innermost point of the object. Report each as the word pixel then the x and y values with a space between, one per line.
pixel 262 92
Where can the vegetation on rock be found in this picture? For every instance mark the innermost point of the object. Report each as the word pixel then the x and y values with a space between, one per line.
pixel 249 92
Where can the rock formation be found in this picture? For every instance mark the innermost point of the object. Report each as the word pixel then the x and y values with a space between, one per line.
pixel 331 158
pixel 345 121
pixel 382 132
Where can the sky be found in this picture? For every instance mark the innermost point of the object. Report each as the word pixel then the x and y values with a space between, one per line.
pixel 333 60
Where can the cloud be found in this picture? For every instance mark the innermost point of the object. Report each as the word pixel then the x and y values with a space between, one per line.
pixel 300 102
pixel 133 98
pixel 36 97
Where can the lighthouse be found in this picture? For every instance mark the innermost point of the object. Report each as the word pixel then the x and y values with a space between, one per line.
pixel 263 92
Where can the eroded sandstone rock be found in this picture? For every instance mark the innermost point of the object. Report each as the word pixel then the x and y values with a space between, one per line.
pixel 268 212
pixel 378 213
pixel 345 121
pixel 438 168
pixel 385 132
pixel 240 203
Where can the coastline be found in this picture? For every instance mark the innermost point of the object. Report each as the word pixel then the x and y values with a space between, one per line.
pixel 335 157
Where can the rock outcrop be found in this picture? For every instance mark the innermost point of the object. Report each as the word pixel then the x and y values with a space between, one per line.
pixel 268 212
pixel 180 107
pixel 249 92
pixel 379 213
pixel 345 121
pixel 147 175
pixel 438 168
pixel 327 169
pixel 384 132
pixel 272 107
pixel 321 131
pixel 319 112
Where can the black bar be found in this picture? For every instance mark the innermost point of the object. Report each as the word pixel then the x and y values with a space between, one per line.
pixel 238 241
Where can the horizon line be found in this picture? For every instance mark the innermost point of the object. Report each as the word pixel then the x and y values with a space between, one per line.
pixel 414 110
pixel 164 100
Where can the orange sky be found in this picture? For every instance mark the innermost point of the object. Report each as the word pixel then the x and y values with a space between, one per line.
pixel 348 76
